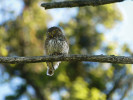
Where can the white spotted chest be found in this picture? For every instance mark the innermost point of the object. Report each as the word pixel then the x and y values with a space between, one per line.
pixel 55 45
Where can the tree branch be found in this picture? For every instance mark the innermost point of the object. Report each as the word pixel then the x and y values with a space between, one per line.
pixel 77 3
pixel 90 58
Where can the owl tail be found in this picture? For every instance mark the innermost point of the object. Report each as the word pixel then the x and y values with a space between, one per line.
pixel 50 71
pixel 52 67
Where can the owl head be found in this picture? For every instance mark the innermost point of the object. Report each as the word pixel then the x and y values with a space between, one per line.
pixel 54 32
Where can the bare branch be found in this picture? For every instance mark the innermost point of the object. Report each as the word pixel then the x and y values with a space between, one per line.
pixel 128 87
pixel 77 3
pixel 90 58
pixel 117 83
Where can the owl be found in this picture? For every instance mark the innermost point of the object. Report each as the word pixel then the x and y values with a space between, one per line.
pixel 55 44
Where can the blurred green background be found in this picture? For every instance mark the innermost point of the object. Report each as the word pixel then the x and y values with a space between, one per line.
pixel 23 27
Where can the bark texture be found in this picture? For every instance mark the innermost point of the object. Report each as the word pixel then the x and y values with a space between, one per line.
pixel 77 3
pixel 73 57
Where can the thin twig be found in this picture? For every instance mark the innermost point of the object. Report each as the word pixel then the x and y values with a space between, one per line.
pixel 90 58
pixel 77 3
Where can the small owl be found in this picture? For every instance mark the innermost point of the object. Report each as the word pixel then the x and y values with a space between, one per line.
pixel 55 44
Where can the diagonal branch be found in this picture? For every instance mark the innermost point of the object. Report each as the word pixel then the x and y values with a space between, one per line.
pixel 90 58
pixel 117 83
pixel 77 3
pixel 128 87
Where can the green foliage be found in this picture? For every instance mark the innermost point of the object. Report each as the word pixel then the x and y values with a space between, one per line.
pixel 81 80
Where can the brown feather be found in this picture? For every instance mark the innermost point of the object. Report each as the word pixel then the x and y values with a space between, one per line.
pixel 55 44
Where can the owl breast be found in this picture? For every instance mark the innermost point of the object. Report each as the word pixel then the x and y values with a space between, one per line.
pixel 57 46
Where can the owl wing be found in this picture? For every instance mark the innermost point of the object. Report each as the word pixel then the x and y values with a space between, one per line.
pixel 46 45
pixel 65 46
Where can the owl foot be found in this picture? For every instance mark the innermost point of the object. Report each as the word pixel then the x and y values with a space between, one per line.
pixel 54 54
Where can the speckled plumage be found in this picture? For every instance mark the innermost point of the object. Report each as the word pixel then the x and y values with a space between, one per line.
pixel 55 44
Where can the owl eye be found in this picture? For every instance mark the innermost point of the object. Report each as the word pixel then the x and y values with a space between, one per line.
pixel 52 35
pixel 54 31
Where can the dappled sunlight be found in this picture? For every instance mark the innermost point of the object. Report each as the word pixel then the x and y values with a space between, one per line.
pixel 86 28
